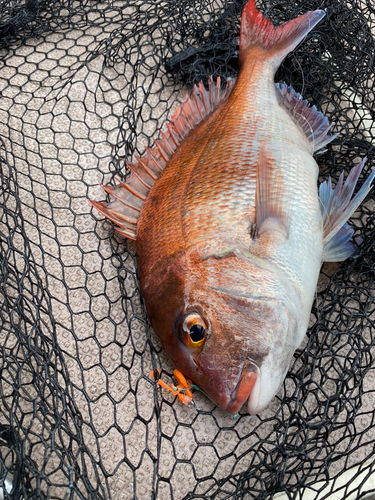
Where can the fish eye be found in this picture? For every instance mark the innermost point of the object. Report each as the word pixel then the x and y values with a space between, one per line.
pixel 197 333
pixel 194 330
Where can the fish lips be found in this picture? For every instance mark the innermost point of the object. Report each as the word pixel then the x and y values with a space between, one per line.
pixel 244 390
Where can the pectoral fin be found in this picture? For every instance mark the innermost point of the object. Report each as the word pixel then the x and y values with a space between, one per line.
pixel 337 207
pixel 272 209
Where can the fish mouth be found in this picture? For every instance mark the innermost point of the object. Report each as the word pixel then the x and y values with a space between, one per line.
pixel 244 390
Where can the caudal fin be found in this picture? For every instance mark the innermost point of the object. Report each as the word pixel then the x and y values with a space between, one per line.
pixel 257 31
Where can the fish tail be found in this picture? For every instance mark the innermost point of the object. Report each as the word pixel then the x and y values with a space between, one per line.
pixel 258 32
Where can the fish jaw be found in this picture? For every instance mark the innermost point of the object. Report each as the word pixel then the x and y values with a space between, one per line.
pixel 275 366
pixel 264 390
pixel 244 389
pixel 257 386
pixel 230 395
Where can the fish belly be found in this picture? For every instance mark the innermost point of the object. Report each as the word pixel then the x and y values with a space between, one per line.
pixel 299 257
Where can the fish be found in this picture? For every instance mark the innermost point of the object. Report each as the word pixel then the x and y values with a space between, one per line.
pixel 230 227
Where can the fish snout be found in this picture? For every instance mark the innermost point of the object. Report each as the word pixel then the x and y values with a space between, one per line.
pixel 244 390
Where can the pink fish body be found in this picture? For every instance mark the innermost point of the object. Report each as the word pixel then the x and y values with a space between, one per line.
pixel 230 229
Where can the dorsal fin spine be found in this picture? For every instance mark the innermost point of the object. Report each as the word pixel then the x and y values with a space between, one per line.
pixel 129 188
pixel 129 220
pixel 126 230
pixel 137 170
pixel 180 126
pixel 201 112
pixel 165 137
pixel 112 192
pixel 153 159
pixel 191 117
pixel 145 168
pixel 159 144
pixel 204 96
pixel 175 138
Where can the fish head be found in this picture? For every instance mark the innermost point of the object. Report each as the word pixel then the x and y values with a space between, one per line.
pixel 226 323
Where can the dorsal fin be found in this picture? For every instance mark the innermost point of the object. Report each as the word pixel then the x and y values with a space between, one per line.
pixel 313 123
pixel 128 197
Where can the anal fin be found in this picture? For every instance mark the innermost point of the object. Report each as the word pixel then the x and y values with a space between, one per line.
pixel 337 206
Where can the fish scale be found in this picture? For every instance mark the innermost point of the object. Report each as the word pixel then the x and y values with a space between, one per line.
pixel 230 229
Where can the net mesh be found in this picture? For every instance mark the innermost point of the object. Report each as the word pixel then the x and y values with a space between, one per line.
pixel 85 86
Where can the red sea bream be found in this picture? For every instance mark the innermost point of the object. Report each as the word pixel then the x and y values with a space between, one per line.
pixel 230 228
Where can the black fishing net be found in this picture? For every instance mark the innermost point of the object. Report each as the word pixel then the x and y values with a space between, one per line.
pixel 85 86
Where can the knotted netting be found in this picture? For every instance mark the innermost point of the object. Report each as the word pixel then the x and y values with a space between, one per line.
pixel 85 86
